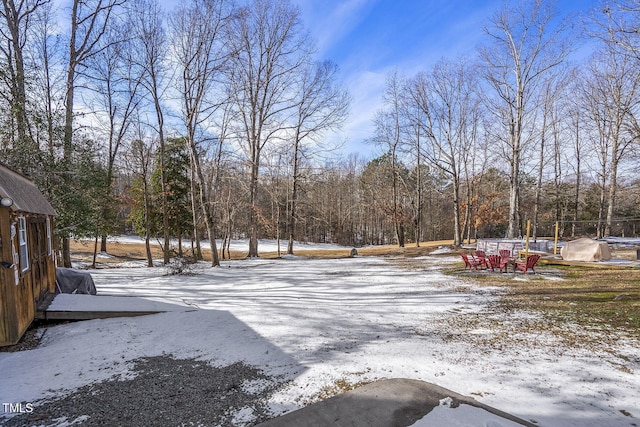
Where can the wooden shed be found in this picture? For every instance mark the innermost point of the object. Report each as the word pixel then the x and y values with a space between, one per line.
pixel 27 258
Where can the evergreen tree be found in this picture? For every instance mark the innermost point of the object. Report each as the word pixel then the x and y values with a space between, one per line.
pixel 76 200
pixel 178 188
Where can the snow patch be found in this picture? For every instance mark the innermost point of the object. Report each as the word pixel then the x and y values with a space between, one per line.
pixel 462 416
pixel 319 323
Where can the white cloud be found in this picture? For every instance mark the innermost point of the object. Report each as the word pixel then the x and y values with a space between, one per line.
pixel 366 89
pixel 331 21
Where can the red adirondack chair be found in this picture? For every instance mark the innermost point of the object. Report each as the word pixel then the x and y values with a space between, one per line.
pixel 496 261
pixel 481 258
pixel 505 254
pixel 471 264
pixel 528 264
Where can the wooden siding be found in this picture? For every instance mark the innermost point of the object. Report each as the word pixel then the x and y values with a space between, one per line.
pixel 19 301
pixel 8 316
pixel 33 277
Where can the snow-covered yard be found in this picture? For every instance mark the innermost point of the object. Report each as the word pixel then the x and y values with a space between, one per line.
pixel 326 323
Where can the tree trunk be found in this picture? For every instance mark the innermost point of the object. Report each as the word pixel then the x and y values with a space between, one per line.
pixel 601 214
pixel 294 198
pixel 66 253
pixel 457 232
pixel 398 219
pixel 163 186
pixel 514 229
pixel 536 206
pixel 18 90
pixel 253 206
pixel 206 206
pixel 147 222
pixel 418 220
pixel 576 200
pixel 197 253
pixel 95 252
pixel 611 195
pixel 147 247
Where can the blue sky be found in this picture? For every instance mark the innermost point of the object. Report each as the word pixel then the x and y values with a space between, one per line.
pixel 369 38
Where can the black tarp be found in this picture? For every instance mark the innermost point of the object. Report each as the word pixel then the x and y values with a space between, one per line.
pixel 70 281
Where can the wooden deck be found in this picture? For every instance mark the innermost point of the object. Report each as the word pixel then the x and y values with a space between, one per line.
pixel 87 307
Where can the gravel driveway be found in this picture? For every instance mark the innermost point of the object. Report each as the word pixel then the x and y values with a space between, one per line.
pixel 163 391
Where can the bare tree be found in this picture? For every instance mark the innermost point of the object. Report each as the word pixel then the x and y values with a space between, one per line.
pixel 89 22
pixel 618 22
pixel 571 149
pixel 48 86
pixel 150 55
pixel 447 102
pixel 115 81
pixel 322 105
pixel 612 97
pixel 389 134
pixel 550 93
pixel 577 150
pixel 415 137
pixel 201 54
pixel 525 44
pixel 270 51
pixel 141 165
pixel 17 17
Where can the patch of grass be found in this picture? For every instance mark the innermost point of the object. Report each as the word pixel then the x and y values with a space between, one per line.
pixel 339 386
pixel 595 298
pixel 82 251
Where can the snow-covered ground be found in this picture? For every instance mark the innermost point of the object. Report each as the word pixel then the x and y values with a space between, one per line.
pixel 323 322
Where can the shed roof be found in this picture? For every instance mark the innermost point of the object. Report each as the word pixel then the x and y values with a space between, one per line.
pixel 25 195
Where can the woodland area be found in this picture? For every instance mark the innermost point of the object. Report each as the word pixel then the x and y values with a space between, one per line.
pixel 212 121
